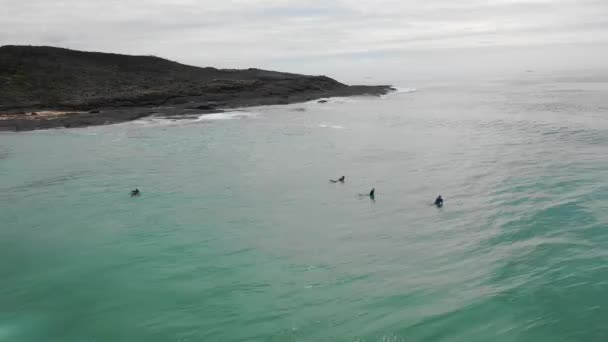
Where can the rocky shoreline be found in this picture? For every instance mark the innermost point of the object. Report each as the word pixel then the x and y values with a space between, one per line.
pixel 46 87
pixel 33 118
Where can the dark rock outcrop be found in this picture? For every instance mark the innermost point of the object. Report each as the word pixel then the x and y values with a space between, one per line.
pixel 49 78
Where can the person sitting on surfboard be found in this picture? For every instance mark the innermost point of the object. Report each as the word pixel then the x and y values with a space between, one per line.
pixel 135 193
pixel 439 201
pixel 341 180
pixel 371 195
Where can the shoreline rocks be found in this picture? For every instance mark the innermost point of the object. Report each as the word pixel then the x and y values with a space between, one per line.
pixel 68 88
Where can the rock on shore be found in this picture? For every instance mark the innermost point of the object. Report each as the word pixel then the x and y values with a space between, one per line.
pixel 76 88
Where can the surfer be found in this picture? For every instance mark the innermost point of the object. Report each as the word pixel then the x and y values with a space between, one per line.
pixel 135 193
pixel 439 201
pixel 341 180
pixel 371 195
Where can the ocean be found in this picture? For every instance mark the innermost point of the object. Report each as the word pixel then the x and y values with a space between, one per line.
pixel 239 235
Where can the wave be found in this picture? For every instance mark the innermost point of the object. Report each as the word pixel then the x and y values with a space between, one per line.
pixel 331 126
pixel 191 118
pixel 334 99
pixel 5 152
pixel 400 90
pixel 49 181
pixel 238 114
pixel 160 121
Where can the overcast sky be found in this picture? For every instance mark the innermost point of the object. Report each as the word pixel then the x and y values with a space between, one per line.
pixel 302 35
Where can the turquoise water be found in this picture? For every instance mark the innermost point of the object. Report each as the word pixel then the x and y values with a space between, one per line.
pixel 239 236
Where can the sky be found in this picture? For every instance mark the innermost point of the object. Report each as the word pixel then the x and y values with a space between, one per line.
pixel 350 38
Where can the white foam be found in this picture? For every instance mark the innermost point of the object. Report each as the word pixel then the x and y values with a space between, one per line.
pixel 347 99
pixel 406 90
pixel 189 118
pixel 331 126
pixel 335 99
pixel 226 116
pixel 156 121
pixel 401 90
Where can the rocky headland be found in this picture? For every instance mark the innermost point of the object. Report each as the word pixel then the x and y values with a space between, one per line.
pixel 48 87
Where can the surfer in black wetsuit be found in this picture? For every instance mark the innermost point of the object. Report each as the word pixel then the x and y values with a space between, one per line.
pixel 439 201
pixel 341 180
pixel 135 193
pixel 371 195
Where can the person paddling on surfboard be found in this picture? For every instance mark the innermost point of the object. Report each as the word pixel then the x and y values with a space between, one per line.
pixel 135 193
pixel 341 180
pixel 439 201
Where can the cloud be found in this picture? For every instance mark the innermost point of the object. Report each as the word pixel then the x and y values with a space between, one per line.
pixel 242 33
